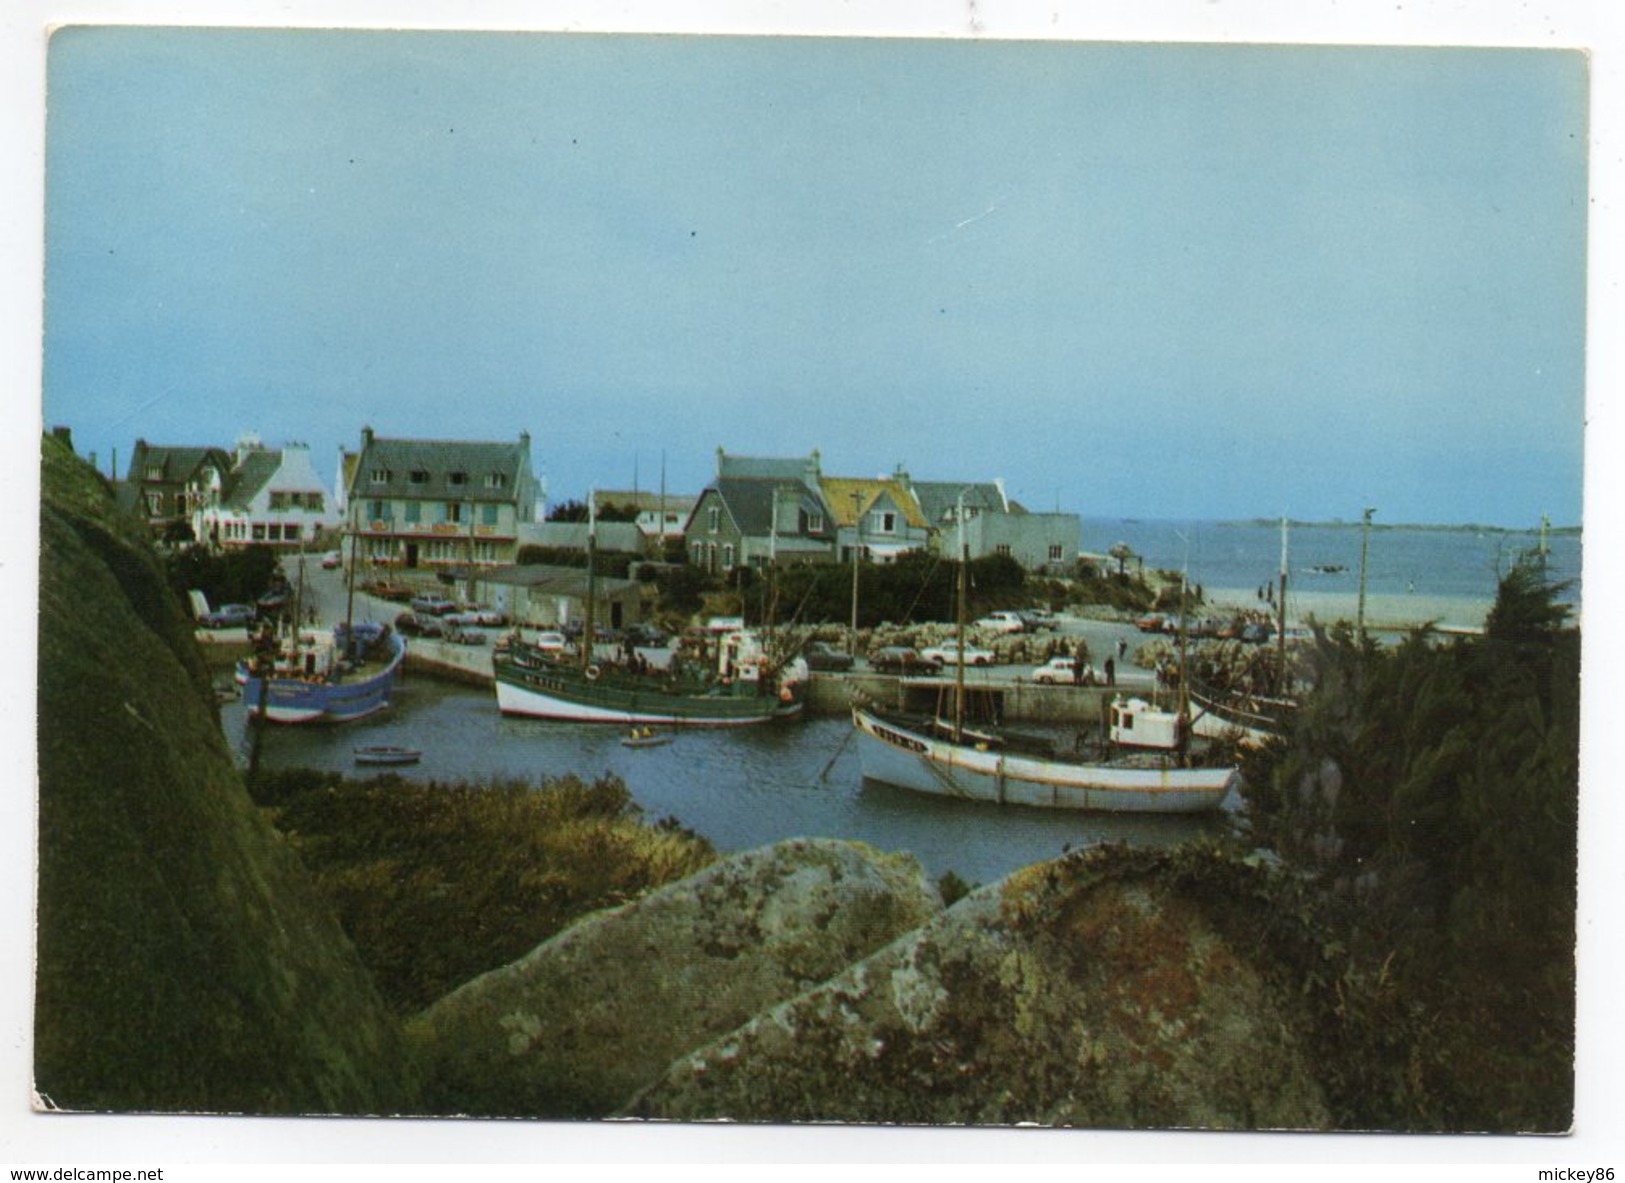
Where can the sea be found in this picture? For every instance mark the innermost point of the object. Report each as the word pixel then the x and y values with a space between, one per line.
pixel 749 786
pixel 1413 574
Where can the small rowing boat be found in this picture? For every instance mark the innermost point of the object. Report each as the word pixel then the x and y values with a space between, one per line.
pixel 384 753
pixel 646 737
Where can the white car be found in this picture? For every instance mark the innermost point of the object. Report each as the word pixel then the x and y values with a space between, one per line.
pixel 550 642
pixel 1063 671
pixel 1001 622
pixel 949 654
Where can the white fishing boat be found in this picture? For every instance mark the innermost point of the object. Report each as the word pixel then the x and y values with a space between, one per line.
pixel 1147 765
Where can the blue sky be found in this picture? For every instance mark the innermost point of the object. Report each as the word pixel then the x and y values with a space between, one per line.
pixel 1141 280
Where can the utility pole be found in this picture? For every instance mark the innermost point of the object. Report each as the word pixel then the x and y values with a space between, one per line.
pixel 1365 538
pixel 857 552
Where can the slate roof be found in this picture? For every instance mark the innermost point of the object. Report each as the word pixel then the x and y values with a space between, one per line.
pixel 939 500
pixel 177 463
pixel 643 500
pixel 249 477
pixel 551 580
pixel 750 503
pixel 437 461
pixel 803 470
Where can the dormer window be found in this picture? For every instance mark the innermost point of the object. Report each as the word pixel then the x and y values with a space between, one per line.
pixel 155 472
pixel 815 523
pixel 457 479
pixel 419 476
pixel 496 480
pixel 380 476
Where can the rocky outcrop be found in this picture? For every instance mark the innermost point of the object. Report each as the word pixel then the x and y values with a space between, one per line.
pixel 596 1013
pixel 1071 994
pixel 185 962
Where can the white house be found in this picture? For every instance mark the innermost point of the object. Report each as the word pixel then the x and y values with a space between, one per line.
pixel 270 496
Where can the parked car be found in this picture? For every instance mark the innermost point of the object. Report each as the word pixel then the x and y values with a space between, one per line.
pixel 1064 671
pixel 331 560
pixel 647 636
pixel 478 618
pixel 899 659
pixel 550 642
pixel 386 589
pixel 229 616
pixel 1152 622
pixel 949 654
pixel 1038 618
pixel 433 604
pixel 274 601
pixel 821 655
pixel 414 624
pixel 1001 622
pixel 458 635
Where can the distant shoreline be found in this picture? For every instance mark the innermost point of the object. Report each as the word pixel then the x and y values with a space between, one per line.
pixel 1345 524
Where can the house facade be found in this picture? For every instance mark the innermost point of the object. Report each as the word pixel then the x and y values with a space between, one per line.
pixel 269 496
pixel 163 482
pixel 995 525
pixel 758 512
pixel 659 516
pixel 878 518
pixel 437 503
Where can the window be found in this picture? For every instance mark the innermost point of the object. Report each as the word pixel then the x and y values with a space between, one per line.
pixel 375 511
pixel 1002 549
pixel 488 515
pixel 279 500
pixel 457 479
pixel 1056 552
pixel 259 532
pixel 419 476
pixel 815 523
pixel 713 519
pixel 380 476
pixel 313 501
pixel 155 472
pixel 155 504
pixel 496 480
pixel 414 511
pixel 454 511
pixel 888 523
pixel 727 556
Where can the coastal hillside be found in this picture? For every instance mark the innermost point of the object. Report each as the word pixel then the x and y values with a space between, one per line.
pixel 185 962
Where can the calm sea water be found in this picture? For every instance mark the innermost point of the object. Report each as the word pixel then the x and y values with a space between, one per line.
pixel 739 787
pixel 1463 563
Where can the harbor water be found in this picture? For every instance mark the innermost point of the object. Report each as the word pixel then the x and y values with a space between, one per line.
pixel 740 787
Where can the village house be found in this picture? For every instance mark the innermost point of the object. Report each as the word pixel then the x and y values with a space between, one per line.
pixel 163 482
pixel 268 496
pixel 995 525
pixel 541 596
pixel 659 516
pixel 437 503
pixel 879 518
pixel 760 511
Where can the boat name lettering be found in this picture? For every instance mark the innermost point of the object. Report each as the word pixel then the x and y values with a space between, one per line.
pixel 898 738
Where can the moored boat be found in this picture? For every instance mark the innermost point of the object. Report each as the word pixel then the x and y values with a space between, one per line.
pixel 936 756
pixel 385 753
pixel 744 686
pixel 347 675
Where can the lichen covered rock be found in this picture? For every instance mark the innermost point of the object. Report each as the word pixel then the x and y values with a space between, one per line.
pixel 589 1017
pixel 1063 996
pixel 185 961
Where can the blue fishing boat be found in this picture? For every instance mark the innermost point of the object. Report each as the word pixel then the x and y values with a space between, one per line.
pixel 316 679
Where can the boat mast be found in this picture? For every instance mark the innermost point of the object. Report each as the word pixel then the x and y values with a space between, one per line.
pixel 1359 612
pixel 964 587
pixel 588 626
pixel 1280 616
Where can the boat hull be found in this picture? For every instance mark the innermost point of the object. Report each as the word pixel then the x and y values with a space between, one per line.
pixel 297 700
pixel 910 759
pixel 568 695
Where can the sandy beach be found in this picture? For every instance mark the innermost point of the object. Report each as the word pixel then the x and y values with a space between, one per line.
pixel 1386 612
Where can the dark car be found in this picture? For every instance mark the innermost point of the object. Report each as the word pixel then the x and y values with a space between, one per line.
pixel 229 616
pixel 899 659
pixel 414 624
pixel 646 636
pixel 821 655
pixel 432 604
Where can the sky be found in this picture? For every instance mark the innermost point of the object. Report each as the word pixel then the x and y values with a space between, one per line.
pixel 1145 280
